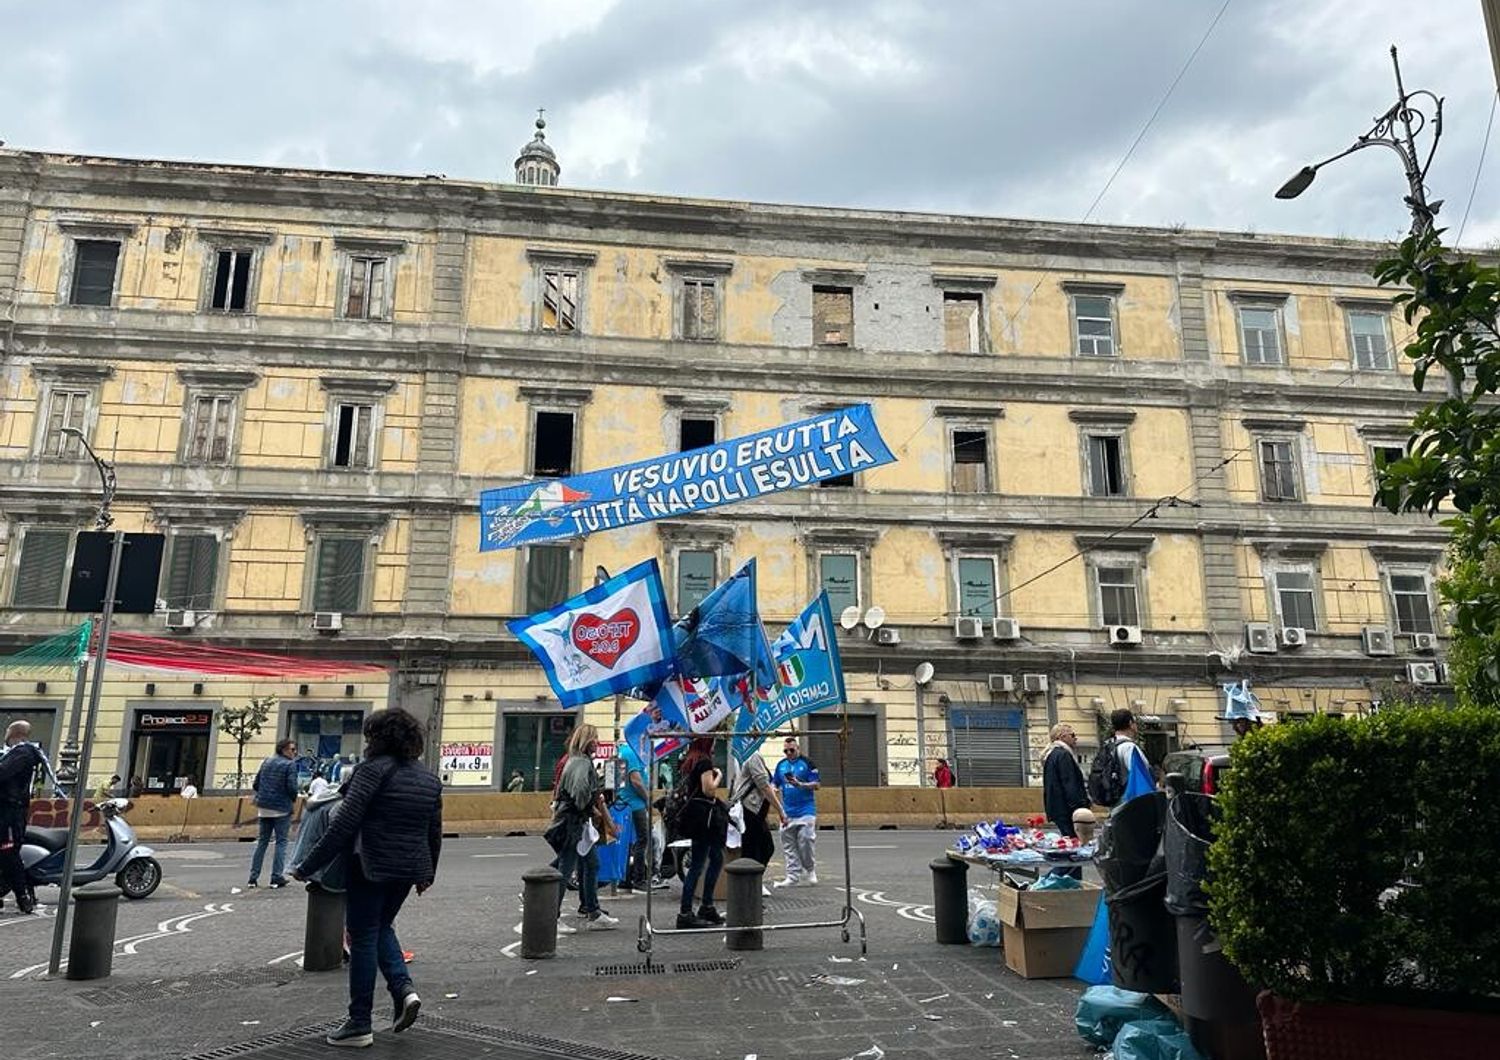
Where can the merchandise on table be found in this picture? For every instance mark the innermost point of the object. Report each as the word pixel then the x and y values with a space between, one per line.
pixel 1017 845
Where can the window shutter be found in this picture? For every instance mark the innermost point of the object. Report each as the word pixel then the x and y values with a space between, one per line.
pixel 192 574
pixel 39 575
pixel 547 576
pixel 340 574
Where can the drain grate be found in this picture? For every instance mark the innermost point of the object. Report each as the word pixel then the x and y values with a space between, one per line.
pixel 630 969
pixel 196 985
pixel 723 965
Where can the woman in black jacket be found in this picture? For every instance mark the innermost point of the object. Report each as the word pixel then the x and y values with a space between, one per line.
pixel 391 821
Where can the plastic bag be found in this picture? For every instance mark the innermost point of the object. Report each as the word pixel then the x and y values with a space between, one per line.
pixel 984 919
pixel 1093 962
pixel 1103 1010
pixel 1055 881
pixel 1154 1039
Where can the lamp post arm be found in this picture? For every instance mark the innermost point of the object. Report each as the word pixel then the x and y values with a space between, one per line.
pixel 106 479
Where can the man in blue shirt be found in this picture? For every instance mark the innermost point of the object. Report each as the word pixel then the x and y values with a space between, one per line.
pixel 797 779
pixel 632 796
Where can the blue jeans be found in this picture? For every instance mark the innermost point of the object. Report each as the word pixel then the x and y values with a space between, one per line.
pixel 269 826
pixel 369 911
pixel 706 854
pixel 588 876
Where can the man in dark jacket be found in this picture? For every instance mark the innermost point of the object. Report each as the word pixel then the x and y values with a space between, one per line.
pixel 390 827
pixel 18 767
pixel 1062 780
pixel 275 790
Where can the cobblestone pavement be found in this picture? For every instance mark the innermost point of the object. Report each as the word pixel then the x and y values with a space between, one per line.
pixel 206 964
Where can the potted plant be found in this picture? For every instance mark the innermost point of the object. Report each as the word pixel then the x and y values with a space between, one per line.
pixel 1353 878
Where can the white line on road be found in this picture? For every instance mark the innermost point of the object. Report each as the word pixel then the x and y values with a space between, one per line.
pixel 510 951
pixel 175 925
pixel 499 855
pixel 297 954
pixel 42 913
pixel 891 847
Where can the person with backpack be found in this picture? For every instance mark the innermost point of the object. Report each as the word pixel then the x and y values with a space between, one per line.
pixel 1062 780
pixel 703 818
pixel 1112 765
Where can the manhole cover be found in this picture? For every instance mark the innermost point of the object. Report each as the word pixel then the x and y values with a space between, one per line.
pixel 726 965
pixel 196 985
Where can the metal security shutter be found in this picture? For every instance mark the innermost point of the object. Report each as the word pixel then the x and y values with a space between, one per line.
pixel 988 751
pixel 822 746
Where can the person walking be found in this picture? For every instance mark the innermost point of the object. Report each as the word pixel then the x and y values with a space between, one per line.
pixel 1110 774
pixel 579 792
pixel 390 824
pixel 19 761
pixel 797 780
pixel 705 821
pixel 275 790
pixel 1062 779
pixel 632 798
pixel 942 776
pixel 756 796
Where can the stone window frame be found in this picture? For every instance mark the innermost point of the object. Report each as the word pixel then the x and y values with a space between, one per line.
pixel 682 406
pixel 843 540
pixel 1297 557
pixel 320 525
pixel 706 270
pixel 970 285
pixel 574 545
pixel 1368 307
pixel 1094 289
pixel 960 543
pixel 216 240
pixel 52 376
pixel 546 259
pixel 1382 436
pixel 1119 550
pixel 200 383
pixel 1114 423
pixel 76 230
pixel 683 535
pixel 1274 301
pixel 23 514
pixel 971 417
pixel 1291 431
pixel 354 390
pixel 541 398
pixel 822 489
pixel 349 248
pixel 174 520
pixel 853 279
pixel 1410 560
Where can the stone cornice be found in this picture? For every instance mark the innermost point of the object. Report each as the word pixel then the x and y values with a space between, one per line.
pixel 1103 417
pixel 358 385
pixel 218 378
pixel 676 533
pixel 1106 542
pixel 234 237
pixel 72 371
pixel 696 266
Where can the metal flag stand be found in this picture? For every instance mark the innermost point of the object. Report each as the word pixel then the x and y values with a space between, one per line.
pixel 647 932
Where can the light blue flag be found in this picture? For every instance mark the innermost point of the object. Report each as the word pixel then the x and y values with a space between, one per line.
pixel 809 674
pixel 723 635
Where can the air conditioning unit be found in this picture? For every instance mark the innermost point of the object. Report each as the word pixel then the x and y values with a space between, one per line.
pixel 328 621
pixel 1034 683
pixel 1377 640
pixel 1002 683
pixel 1424 642
pixel 181 619
pixel 1123 635
pixel 1422 673
pixel 1259 638
pixel 1442 673
pixel 1007 629
pixel 968 629
pixel 887 635
pixel 1294 636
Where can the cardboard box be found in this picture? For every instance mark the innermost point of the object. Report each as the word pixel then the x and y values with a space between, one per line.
pixel 1045 930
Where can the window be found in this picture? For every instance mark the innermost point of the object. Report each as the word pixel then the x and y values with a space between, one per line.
pixel 1388 454
pixel 42 570
pixel 553 452
pixel 971 461
pixel 839 574
pixel 191 575
pixel 210 429
pixel 696 433
pixel 1367 334
pixel 1094 322
pixel 548 576
pixel 977 591
pixel 833 316
pixel 697 574
pixel 963 322
pixel 700 308
pixel 367 288
pixel 353 435
pixel 1278 472
pixel 339 574
pixel 94 265
pixel 65 408
pixel 1119 603
pixel 1260 334
pixel 1413 603
pixel 231 290
pixel 1106 465
pixel 1296 594
pixel 558 308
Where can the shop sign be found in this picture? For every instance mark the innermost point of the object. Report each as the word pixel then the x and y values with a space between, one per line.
pixel 163 722
pixel 467 764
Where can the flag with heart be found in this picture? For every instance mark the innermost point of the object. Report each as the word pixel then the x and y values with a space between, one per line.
pixel 608 639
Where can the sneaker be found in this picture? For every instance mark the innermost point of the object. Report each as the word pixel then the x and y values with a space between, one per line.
pixel 810 880
pixel 788 882
pixel 252 883
pixel 278 882
pixel 565 928
pixel 406 1010
pixel 688 920
pixel 601 921
pixel 765 892
pixel 659 884
pixel 710 914
pixel 351 1037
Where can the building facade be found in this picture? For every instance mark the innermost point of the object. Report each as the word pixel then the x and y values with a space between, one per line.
pixel 1133 464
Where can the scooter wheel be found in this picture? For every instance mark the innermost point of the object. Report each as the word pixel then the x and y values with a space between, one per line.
pixel 140 878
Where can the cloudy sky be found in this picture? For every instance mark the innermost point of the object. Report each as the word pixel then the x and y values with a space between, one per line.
pixel 1017 108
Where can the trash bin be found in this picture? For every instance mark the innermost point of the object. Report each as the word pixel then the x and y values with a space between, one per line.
pixel 1185 840
pixel 1130 841
pixel 1143 937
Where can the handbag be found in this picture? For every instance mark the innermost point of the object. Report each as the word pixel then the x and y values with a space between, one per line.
pixel 704 818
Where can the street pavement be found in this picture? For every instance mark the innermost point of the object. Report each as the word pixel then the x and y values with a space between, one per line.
pixel 205 964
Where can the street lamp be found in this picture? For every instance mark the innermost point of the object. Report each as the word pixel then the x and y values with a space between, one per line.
pixel 1397 129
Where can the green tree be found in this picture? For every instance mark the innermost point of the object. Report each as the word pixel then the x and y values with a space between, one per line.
pixel 1453 454
pixel 243 724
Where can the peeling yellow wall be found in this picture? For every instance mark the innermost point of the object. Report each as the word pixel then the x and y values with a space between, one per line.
pixel 1315 326
pixel 1032 315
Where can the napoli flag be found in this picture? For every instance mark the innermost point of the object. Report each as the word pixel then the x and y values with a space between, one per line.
pixel 611 638
pixel 723 635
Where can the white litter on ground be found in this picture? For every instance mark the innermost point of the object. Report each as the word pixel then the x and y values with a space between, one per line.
pixel 1008 1023
pixel 630 1000
pixel 874 1052
pixel 931 1016
pixel 836 980
pixel 532 972
pixel 450 997
pixel 234 890
pixel 249 1023
pixel 841 960
pixel 930 1000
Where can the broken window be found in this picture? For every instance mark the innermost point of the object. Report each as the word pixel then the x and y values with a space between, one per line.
pixel 41 570
pixel 837 482
pixel 94 265
pixel 367 288
pixel 700 308
pixel 833 316
pixel 65 408
pixel 1278 473
pixel 1372 346
pixel 1094 321
pixel 971 459
pixel 339 576
pixel 354 435
pixel 231 281
pixel 1106 465
pixel 695 433
pixel 548 576
pixel 963 331
pixel 191 572
pixel 559 305
pixel 1388 454
pixel 210 428
pixel 553 450
pixel 1260 334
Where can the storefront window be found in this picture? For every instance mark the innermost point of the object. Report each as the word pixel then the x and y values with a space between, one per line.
pixel 329 742
pixel 169 750
pixel 43 725
pixel 532 744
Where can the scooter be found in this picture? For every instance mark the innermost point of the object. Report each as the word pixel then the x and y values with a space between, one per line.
pixel 136 871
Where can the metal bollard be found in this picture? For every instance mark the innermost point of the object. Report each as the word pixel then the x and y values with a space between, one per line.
pixel 92 950
pixel 323 937
pixel 950 901
pixel 744 913
pixel 539 906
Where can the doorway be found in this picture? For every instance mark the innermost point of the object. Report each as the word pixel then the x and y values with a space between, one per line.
pixel 531 743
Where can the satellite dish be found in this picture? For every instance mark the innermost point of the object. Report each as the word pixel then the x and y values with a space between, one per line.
pixel 849 617
pixel 875 617
pixel 924 673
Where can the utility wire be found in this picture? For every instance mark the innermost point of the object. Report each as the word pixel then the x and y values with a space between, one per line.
pixel 1484 150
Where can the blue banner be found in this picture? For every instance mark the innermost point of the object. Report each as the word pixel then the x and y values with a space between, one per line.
pixel 809 674
pixel 783 458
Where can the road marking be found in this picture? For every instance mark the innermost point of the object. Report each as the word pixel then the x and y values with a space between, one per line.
pixel 297 954
pixel 499 855
pixel 893 846
pixel 920 914
pixel 174 925
pixel 42 913
pixel 510 951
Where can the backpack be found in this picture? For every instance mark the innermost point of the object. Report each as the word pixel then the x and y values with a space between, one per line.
pixel 671 811
pixel 1106 778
